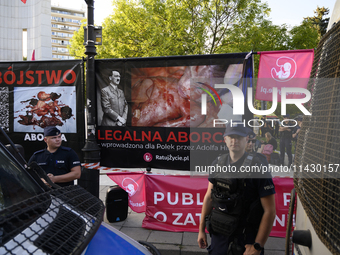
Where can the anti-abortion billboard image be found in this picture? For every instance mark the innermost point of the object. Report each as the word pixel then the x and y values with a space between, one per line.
pixel 37 94
pixel 156 112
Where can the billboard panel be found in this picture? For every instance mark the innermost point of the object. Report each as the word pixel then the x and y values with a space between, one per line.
pixel 154 112
pixel 36 94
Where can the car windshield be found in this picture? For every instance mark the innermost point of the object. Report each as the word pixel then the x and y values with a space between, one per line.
pixel 15 184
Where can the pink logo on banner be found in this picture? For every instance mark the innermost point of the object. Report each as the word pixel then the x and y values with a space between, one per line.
pixel 147 157
pixel 285 69
pixel 130 186
pixel 280 69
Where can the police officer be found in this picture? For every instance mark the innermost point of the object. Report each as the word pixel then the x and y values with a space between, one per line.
pixel 60 163
pixel 286 141
pixel 243 197
pixel 297 129
pixel 251 142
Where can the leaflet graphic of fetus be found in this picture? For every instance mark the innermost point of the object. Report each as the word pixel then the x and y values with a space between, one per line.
pixel 285 70
pixel 130 186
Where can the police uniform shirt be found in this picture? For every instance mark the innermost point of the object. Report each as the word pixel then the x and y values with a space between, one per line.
pixel 58 163
pixel 254 187
pixel 296 130
pixel 286 134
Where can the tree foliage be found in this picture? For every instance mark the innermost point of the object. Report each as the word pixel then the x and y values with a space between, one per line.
pixel 152 28
pixel 304 36
pixel 319 21
pixel 145 28
pixel 76 47
pixel 262 36
pixel 308 34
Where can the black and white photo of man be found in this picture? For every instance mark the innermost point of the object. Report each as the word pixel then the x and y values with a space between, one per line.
pixel 113 102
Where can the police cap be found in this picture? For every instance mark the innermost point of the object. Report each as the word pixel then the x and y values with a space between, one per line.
pixel 238 129
pixel 51 131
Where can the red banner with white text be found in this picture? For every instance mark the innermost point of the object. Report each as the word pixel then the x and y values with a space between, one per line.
pixel 283 69
pixel 283 188
pixel 174 203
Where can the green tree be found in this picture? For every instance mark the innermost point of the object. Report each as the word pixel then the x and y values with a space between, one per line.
pixel 258 35
pixel 304 36
pixel 153 28
pixel 227 21
pixel 76 47
pixel 144 28
pixel 319 20
pixel 308 34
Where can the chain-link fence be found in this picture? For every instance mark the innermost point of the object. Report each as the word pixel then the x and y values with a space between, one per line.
pixel 318 150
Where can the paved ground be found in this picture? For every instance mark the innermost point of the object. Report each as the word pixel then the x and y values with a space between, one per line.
pixel 170 243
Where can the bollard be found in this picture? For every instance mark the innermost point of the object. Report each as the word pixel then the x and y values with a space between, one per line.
pixel 89 180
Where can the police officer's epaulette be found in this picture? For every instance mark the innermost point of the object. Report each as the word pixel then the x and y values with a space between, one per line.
pixel 65 148
pixel 222 159
pixel 39 151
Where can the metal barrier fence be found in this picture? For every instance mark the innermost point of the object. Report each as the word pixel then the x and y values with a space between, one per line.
pixel 318 149
pixel 61 221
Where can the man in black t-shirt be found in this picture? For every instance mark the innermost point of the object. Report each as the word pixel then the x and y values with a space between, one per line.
pixel 61 164
pixel 246 237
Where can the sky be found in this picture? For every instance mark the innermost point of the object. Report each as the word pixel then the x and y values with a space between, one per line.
pixel 290 12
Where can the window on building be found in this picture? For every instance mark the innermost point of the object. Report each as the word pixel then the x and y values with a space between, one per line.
pixel 24 44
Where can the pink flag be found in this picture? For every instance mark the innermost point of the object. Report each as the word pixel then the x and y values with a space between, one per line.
pixel 24 1
pixel 283 69
pixel 33 55
pixel 133 184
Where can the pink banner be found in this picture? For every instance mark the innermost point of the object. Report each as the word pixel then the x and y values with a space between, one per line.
pixel 283 187
pixel 174 203
pixel 279 69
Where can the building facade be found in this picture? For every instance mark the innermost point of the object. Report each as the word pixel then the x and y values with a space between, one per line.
pixel 64 23
pixel 37 27
pixel 24 28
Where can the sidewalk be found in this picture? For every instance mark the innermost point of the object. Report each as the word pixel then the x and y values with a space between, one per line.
pixel 171 243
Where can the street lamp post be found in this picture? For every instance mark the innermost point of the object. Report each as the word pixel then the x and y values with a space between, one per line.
pixel 91 150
